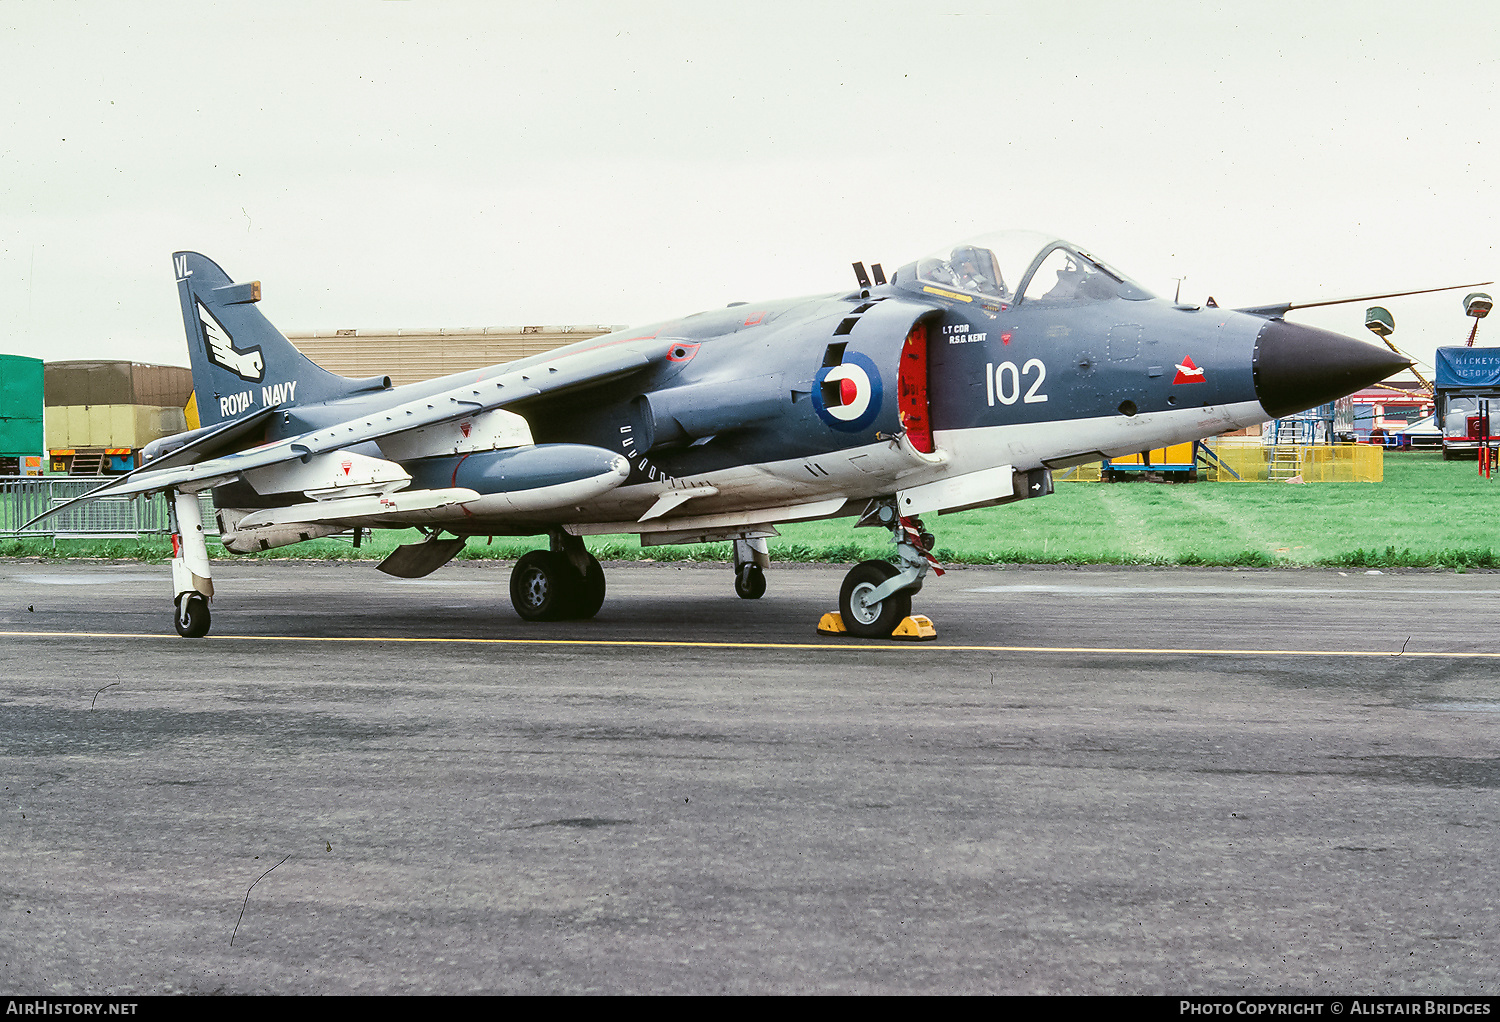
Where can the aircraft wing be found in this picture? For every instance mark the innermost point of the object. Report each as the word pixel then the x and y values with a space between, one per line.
pixel 536 379
pixel 209 441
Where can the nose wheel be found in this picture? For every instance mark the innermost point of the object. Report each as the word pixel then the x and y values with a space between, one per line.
pixel 875 599
pixel 868 617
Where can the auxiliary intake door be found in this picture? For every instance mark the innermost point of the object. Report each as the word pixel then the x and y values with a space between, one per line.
pixel 911 389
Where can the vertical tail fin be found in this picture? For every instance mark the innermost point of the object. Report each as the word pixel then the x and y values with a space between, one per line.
pixel 241 363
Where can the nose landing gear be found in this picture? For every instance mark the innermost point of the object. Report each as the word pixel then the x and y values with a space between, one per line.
pixel 863 613
pixel 875 599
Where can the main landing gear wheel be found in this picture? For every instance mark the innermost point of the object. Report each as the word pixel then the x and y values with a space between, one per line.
pixel 872 620
pixel 191 618
pixel 546 587
pixel 750 582
pixel 542 586
pixel 590 595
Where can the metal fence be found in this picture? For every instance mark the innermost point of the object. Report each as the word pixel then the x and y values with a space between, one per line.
pixel 22 498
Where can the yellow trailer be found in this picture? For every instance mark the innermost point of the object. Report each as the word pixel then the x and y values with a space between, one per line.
pixel 1178 462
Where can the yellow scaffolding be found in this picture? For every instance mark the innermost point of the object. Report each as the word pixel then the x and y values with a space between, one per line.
pixel 1308 463
pixel 1086 473
pixel 1254 462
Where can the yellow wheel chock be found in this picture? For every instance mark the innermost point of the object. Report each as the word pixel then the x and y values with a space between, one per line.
pixel 916 628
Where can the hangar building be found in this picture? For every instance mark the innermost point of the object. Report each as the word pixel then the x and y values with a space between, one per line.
pixel 410 355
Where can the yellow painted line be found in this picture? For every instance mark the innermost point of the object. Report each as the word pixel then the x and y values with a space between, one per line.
pixel 848 646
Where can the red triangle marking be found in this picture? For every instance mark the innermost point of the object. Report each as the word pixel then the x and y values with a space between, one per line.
pixel 1187 372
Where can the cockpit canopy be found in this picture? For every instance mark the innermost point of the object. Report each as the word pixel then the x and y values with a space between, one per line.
pixel 1020 266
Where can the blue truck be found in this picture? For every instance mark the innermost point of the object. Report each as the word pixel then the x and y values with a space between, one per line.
pixel 1467 382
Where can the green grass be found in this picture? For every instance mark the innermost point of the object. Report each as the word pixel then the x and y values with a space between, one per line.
pixel 1427 513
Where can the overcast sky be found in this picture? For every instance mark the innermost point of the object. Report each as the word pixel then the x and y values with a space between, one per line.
pixel 409 163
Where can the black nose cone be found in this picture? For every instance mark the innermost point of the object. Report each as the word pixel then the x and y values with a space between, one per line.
pixel 1299 367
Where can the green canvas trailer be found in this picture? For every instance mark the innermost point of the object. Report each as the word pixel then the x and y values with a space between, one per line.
pixel 21 396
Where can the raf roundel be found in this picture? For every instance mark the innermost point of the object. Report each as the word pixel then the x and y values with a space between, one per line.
pixel 847 396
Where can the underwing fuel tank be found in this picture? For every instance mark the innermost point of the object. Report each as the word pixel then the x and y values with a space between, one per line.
pixel 531 478
pixel 249 541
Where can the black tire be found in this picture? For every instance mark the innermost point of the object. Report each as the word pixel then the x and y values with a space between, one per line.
pixel 879 620
pixel 191 617
pixel 590 594
pixel 544 587
pixel 750 582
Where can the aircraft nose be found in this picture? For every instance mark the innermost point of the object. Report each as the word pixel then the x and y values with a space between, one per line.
pixel 1298 367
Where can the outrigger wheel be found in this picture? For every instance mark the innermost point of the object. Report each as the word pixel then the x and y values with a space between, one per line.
pixel 545 586
pixel 192 617
pixel 872 620
pixel 750 582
